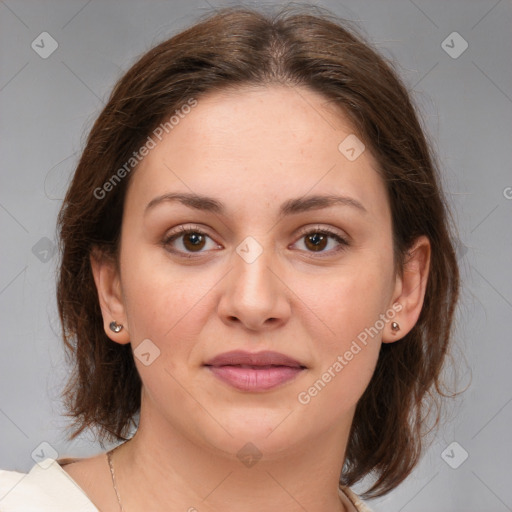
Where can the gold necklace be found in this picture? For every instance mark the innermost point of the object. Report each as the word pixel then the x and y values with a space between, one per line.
pixel 109 458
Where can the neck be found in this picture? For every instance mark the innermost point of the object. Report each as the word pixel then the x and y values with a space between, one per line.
pixel 163 467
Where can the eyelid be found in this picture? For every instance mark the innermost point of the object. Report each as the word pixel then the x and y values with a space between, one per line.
pixel 318 228
pixel 187 228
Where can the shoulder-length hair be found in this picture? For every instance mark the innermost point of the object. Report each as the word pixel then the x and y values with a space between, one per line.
pixel 307 47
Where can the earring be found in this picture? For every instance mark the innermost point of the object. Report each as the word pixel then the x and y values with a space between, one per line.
pixel 114 326
pixel 394 326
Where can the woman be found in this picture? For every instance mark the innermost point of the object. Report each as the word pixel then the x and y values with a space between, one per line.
pixel 257 277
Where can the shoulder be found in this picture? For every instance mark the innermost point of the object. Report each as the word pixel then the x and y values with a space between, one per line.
pixel 46 487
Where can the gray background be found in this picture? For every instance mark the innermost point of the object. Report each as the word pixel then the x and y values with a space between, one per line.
pixel 48 105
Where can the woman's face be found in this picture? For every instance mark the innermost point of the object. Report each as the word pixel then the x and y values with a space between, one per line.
pixel 258 272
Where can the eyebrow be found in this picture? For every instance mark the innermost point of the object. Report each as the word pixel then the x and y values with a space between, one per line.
pixel 289 207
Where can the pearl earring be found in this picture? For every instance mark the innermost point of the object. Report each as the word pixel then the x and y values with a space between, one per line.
pixel 114 326
pixel 394 326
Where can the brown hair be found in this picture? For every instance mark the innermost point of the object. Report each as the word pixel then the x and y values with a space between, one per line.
pixel 240 46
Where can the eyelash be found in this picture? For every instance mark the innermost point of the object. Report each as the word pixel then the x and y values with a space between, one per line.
pixel 196 230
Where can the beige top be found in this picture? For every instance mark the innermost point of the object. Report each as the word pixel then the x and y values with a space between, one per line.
pixel 48 488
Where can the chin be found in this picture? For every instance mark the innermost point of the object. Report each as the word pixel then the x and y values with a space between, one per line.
pixel 269 432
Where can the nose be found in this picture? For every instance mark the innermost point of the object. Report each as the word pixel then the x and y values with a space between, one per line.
pixel 254 294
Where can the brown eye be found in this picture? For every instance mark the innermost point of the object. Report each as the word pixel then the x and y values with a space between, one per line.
pixel 193 241
pixel 316 241
pixel 188 242
pixel 322 241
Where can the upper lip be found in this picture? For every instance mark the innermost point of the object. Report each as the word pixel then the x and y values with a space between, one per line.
pixel 265 358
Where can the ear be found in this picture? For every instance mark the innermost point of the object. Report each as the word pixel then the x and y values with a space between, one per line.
pixel 409 290
pixel 108 285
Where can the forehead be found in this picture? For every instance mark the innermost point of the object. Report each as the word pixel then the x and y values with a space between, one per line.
pixel 259 144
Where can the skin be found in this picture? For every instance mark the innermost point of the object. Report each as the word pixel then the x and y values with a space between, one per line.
pixel 251 149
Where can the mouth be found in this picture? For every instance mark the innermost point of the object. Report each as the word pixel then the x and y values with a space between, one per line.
pixel 254 372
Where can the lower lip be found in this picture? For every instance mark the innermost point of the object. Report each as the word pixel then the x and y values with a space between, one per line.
pixel 252 379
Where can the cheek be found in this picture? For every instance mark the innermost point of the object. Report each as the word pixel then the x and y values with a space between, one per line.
pixel 169 308
pixel 159 307
pixel 164 300
pixel 347 301
pixel 348 309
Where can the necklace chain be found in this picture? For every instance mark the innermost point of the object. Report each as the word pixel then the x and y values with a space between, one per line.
pixel 109 458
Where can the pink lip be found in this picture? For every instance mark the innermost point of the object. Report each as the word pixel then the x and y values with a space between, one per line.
pixel 254 371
